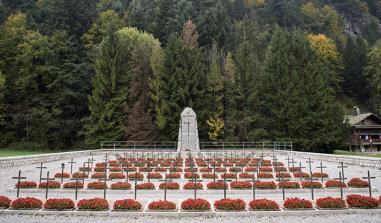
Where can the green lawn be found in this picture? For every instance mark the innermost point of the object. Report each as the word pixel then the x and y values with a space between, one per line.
pixel 10 153
pixel 348 153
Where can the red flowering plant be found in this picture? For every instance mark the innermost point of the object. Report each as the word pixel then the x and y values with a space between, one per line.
pixel 294 169
pixel 97 185
pixel 242 185
pixel 288 185
pixel 175 169
pixel 228 175
pixel 265 175
pixel 79 175
pixel 73 185
pixel 278 164
pixel 209 175
pixel 230 204
pixel 169 186
pixel 127 204
pixel 220 169
pixel 191 175
pixel 191 169
pixel 357 182
pixel 266 169
pixel 320 175
pixel 173 176
pixel 334 183
pixel 297 203
pixel 50 184
pixel 115 169
pixel 284 175
pixel 251 169
pixel 160 169
pixel 263 204
pixel 302 174
pixel 195 205
pixel 26 184
pixel 62 175
pixel 4 202
pixel 98 176
pixel 86 169
pixel 359 201
pixel 280 169
pixel 96 204
pixel 26 203
pixel 218 185
pixel 145 186
pixel 143 169
pixel 161 205
pixel 103 164
pixel 235 169
pixel 310 184
pixel 99 169
pixel 113 163
pixel 136 175
pixel 116 176
pixel 191 185
pixel 59 204
pixel 265 185
pixel 204 170
pixel 330 202
pixel 154 176
pixel 246 175
pixel 121 186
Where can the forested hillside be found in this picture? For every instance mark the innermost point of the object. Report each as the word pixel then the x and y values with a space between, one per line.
pixel 75 72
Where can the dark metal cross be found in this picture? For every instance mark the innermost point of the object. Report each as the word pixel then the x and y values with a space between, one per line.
pixel 293 165
pixel 165 188
pixel 341 179
pixel 71 165
pixel 19 178
pixel 309 164
pixel 47 184
pixel 301 167
pixel 254 181
pixel 62 171
pixel 76 186
pixel 288 161
pixel 342 169
pixel 321 167
pixel 225 183
pixel 312 187
pixel 41 167
pixel 368 177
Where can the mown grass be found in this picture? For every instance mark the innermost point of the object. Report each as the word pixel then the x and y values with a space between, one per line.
pixel 10 152
pixel 348 153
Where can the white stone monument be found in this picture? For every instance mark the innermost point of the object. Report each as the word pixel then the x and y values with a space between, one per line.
pixel 188 133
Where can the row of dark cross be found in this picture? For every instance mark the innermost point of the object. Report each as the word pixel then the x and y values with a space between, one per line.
pixel 291 161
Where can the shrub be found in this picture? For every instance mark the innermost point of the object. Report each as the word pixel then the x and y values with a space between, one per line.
pixel 26 184
pixel 309 184
pixel 191 175
pixel 173 176
pixel 50 184
pixel 169 186
pixel 97 185
pixel 335 183
pixel 162 205
pixel 73 185
pixel 116 176
pixel 79 175
pixel 209 175
pixel 145 186
pixel 230 204
pixel 62 175
pixel 190 186
pixel 290 185
pixel 198 204
pixel 295 203
pixel 263 204
pixel 246 175
pixel 4 202
pixel 127 204
pixel 330 202
pixel 218 185
pixel 320 175
pixel 302 174
pixel 240 185
pixel 121 186
pixel 98 176
pixel 265 175
pixel 136 175
pixel 265 185
pixel 357 182
pixel 359 201
pixel 154 176
pixel 93 204
pixel 59 203
pixel 26 203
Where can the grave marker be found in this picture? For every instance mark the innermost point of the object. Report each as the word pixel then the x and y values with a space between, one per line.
pixel 19 178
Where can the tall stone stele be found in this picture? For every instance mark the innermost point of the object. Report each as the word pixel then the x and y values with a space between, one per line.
pixel 188 133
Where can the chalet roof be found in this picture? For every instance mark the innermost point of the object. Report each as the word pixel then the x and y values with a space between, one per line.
pixel 356 119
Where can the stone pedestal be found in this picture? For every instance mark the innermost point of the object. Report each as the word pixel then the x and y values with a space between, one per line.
pixel 188 133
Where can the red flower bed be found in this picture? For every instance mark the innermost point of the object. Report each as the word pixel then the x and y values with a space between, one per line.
pixel 265 185
pixel 176 169
pixel 136 175
pixel 115 169
pixel 169 186
pixel 86 169
pixel 265 169
pixel 160 169
pixel 280 169
pixel 220 169
pixel 235 169
pixel 73 185
pixel 143 169
pixel 50 184
pixel 246 175
pixel 79 175
pixel 294 169
pixel 196 205
pixel 320 175
pixel 309 184
pixel 97 185
pixel 26 203
pixel 190 186
pixel 154 176
pixel 251 169
pixel 116 176
pixel 209 175
pixel 162 205
pixel 93 204
pixel 230 204
pixel 228 175
pixel 127 204
pixel 204 170
pixel 335 183
pixel 284 175
pixel 191 170
pixel 289 185
pixel 26 184
pixel 100 164
pixel 265 175
pixel 278 164
pixel 296 203
pixel 357 182
pixel 330 202
pixel 99 169
pixel 59 204
pixel 359 201
pixel 4 202
pixel 240 185
pixel 302 174
pixel 121 186
pixel 191 175
pixel 145 186
pixel 218 185
pixel 98 176
pixel 62 175
pixel 263 204
pixel 173 176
